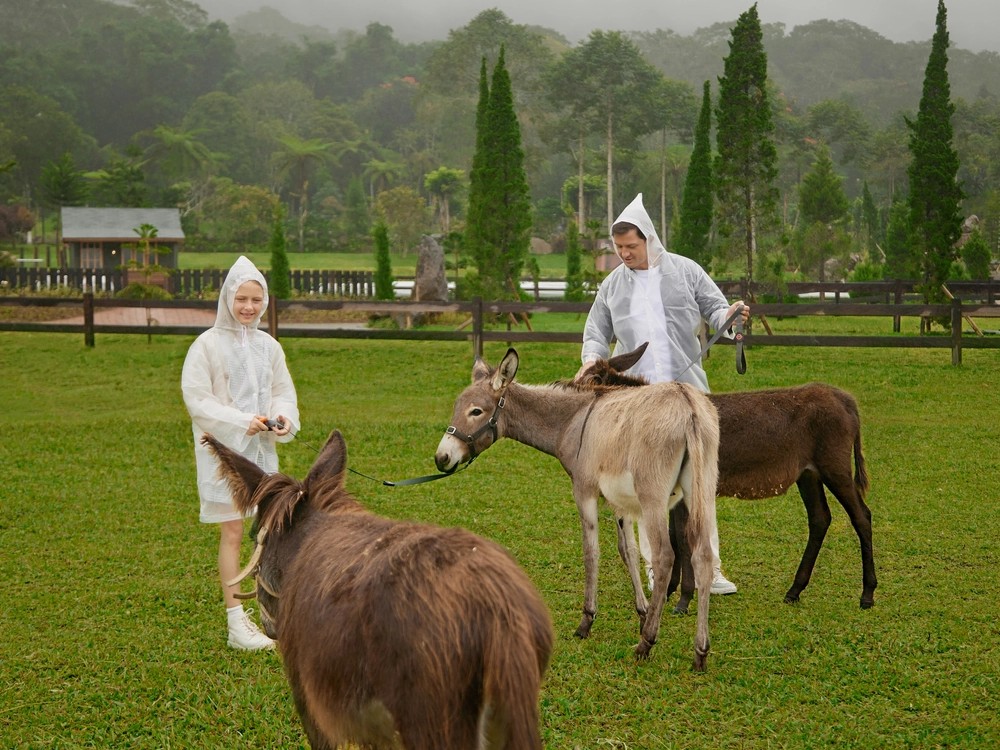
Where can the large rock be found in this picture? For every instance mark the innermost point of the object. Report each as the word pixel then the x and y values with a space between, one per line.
pixel 430 284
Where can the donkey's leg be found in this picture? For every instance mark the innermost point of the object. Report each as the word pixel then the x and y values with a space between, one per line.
pixel 586 506
pixel 654 516
pixel 861 519
pixel 703 565
pixel 682 550
pixel 675 571
pixel 818 513
pixel 627 551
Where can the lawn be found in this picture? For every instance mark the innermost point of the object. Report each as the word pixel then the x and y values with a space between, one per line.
pixel 551 266
pixel 112 618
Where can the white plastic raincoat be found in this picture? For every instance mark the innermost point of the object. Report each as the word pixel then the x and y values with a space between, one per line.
pixel 664 306
pixel 231 374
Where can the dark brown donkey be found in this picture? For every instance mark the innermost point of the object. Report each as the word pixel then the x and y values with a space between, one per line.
pixel 772 439
pixel 393 634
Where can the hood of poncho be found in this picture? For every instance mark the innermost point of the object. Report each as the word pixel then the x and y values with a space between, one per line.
pixel 242 271
pixel 635 213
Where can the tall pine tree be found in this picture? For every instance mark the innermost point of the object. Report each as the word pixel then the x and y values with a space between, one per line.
pixel 745 170
pixel 935 196
pixel 499 221
pixel 822 205
pixel 697 203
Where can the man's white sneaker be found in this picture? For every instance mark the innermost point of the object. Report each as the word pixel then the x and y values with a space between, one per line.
pixel 722 585
pixel 246 636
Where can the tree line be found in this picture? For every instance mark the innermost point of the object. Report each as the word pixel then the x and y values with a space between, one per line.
pixel 150 103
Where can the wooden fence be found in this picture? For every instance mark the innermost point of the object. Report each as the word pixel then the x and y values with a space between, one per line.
pixel 181 283
pixel 480 317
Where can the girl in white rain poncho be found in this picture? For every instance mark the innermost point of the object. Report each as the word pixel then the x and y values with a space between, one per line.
pixel 661 298
pixel 234 380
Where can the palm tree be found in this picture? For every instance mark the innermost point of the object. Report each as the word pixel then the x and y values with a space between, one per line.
pixel 381 174
pixel 179 153
pixel 443 184
pixel 296 164
pixel 146 232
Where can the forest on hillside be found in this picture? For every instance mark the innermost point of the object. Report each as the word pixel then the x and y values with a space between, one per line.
pixel 149 103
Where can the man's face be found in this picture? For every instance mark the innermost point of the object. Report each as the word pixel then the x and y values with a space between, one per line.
pixel 632 249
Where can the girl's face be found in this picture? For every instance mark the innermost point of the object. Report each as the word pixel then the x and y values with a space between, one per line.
pixel 248 302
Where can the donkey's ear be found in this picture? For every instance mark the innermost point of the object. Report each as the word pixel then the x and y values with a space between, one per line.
pixel 480 370
pixel 506 371
pixel 622 362
pixel 331 463
pixel 242 474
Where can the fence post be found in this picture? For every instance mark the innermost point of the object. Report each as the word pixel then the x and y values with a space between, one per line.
pixel 899 300
pixel 956 331
pixel 88 319
pixel 272 317
pixel 477 327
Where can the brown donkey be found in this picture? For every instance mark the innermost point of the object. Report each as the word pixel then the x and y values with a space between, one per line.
pixel 648 451
pixel 771 439
pixel 393 634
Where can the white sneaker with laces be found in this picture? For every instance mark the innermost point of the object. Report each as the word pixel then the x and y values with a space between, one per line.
pixel 246 636
pixel 722 585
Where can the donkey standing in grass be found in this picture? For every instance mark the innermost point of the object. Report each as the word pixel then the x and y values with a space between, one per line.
pixel 647 450
pixel 771 439
pixel 393 634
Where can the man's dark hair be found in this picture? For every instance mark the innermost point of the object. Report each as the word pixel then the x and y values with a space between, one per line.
pixel 624 227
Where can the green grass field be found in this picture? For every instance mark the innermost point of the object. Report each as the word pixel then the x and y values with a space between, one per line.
pixel 113 631
pixel 551 266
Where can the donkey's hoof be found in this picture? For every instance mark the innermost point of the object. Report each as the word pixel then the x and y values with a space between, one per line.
pixel 642 650
pixel 680 610
pixel 867 603
pixel 585 625
pixel 791 598
pixel 699 664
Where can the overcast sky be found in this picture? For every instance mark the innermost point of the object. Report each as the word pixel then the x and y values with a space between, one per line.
pixel 972 24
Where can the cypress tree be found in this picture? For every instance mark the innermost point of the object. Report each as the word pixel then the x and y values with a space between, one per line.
pixel 383 264
pixel 821 194
pixel 823 204
pixel 501 223
pixel 900 263
pixel 935 196
pixel 745 169
pixel 976 256
pixel 869 217
pixel 474 240
pixel 697 203
pixel 280 283
pixel 574 269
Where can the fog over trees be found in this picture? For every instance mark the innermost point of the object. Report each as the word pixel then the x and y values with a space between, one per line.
pixel 152 102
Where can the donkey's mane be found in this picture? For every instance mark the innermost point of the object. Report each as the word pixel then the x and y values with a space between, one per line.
pixel 283 493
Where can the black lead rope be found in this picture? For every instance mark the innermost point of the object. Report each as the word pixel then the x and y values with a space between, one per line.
pixel 386 482
pixel 413 480
pixel 741 360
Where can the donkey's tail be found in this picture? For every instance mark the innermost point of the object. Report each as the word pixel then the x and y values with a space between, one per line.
pixel 860 470
pixel 518 656
pixel 703 465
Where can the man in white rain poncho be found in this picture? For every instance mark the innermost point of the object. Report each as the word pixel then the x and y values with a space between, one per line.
pixel 661 298
pixel 235 382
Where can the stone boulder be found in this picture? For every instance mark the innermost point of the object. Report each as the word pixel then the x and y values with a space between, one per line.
pixel 430 284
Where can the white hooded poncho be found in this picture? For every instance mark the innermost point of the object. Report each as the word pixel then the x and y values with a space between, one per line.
pixel 664 306
pixel 231 374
